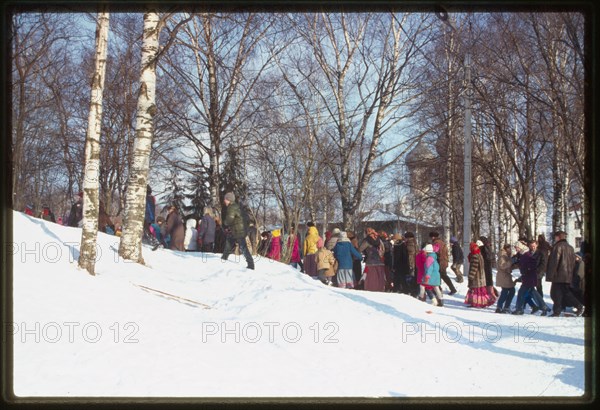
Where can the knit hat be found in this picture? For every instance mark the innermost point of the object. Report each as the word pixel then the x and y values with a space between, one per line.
pixel 335 232
pixel 397 237
pixel 453 239
pixel 429 248
pixel 230 196
pixel 479 243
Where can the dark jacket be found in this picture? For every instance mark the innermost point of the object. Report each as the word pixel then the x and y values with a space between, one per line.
pixel 150 210
pixel 528 265
pixel 457 253
pixel 234 221
pixel 175 228
pixel 76 213
pixel 401 262
pixel 206 230
pixel 561 263
pixel 219 246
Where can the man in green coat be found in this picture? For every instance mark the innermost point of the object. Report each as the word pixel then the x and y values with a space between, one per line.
pixel 235 230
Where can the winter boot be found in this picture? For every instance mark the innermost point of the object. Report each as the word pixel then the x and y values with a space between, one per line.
pixel 440 302
pixel 517 312
pixel 580 310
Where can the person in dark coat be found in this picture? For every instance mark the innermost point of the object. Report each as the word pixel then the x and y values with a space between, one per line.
pixel 235 230
pixel 544 248
pixel 76 214
pixel 457 259
pixel 528 265
pixel 219 246
pixel 442 259
pixel 47 214
pixel 488 260
pixel 561 266
pixel 206 231
pixel 356 263
pixel 401 265
pixel 175 229
pixel 149 218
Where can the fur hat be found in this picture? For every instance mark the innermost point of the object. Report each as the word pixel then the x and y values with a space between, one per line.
pixel 453 239
pixel 428 248
pixel 335 232
pixel 230 196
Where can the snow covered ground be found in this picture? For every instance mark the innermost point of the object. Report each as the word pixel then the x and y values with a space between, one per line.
pixel 273 332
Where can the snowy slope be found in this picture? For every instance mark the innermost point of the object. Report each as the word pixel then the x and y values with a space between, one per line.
pixel 270 332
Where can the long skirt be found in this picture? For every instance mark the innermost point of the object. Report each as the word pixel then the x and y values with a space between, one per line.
pixel 375 280
pixel 479 297
pixel 345 278
pixel 310 264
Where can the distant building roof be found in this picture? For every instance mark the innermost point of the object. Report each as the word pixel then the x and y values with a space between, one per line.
pixel 381 215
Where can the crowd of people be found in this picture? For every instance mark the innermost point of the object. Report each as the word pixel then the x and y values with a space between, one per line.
pixel 380 262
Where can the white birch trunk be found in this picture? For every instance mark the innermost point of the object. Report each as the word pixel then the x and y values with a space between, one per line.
pixel 130 246
pixel 87 255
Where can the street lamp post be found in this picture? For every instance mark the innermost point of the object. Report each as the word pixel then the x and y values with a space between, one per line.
pixel 467 198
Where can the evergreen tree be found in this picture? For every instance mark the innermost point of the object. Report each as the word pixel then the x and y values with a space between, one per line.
pixel 233 179
pixel 197 193
pixel 176 195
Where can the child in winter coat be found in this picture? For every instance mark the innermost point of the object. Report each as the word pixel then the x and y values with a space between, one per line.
pixel 190 242
pixel 325 263
pixel 431 275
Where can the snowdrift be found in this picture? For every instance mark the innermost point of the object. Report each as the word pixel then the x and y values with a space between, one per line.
pixel 190 325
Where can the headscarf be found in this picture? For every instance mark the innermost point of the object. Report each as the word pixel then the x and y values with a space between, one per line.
pixel 372 233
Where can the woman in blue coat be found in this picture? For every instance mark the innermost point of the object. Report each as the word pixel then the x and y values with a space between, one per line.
pixel 344 253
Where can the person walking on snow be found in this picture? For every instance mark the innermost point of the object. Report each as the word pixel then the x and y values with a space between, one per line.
pixel 325 263
pixel 442 259
pixel 477 296
pixel 374 273
pixel 528 265
pixel 561 266
pixel 235 230
pixel 432 275
pixel 504 280
pixel 457 259
pixel 206 231
pixel 310 249
pixel 345 254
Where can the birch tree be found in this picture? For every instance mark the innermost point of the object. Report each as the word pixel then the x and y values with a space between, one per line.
pixel 130 246
pixel 215 63
pixel 365 62
pixel 87 255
